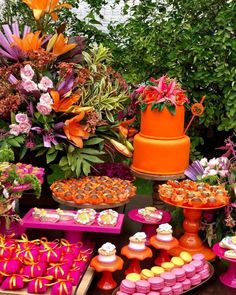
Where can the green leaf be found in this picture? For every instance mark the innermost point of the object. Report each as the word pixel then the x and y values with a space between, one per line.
pixel 63 161
pixel 91 151
pixel 51 157
pixel 78 166
pixel 93 141
pixel 23 152
pixel 57 173
pixel 143 107
pixel 13 142
pixel 86 167
pixel 171 109
pixel 92 159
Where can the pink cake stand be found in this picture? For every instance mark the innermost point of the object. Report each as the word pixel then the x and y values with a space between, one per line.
pixel 229 277
pixel 147 226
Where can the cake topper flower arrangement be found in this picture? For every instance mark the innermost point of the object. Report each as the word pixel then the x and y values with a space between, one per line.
pixel 57 100
pixel 161 93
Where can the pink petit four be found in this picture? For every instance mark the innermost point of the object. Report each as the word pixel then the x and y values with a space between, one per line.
pixel 38 286
pixel 204 274
pixel 198 256
pixel 195 280
pixel 186 284
pixel 177 289
pixel 58 271
pixel 62 288
pixel 127 287
pixel 14 282
pixel 189 270
pixel 156 283
pixel 198 264
pixel 10 266
pixel 179 273
pixel 142 286
pixel 34 270
pixel 169 278
pixel 166 291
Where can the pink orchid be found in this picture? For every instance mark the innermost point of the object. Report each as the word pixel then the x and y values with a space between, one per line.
pixel 140 89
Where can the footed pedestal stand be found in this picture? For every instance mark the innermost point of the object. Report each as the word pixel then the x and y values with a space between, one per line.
pixel 106 281
pixel 135 257
pixel 229 277
pixel 164 247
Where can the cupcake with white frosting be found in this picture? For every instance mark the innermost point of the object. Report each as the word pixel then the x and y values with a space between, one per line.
pixel 164 232
pixel 138 241
pixel 107 253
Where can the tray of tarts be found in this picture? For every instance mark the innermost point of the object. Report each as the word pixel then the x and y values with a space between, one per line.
pixel 194 195
pixel 96 191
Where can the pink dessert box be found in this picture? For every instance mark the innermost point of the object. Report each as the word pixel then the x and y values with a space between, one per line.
pixel 74 275
pixel 28 254
pixel 34 270
pixel 51 255
pixel 38 285
pixel 62 287
pixel 14 282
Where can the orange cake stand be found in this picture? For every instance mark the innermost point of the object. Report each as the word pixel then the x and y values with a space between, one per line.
pixel 190 241
pixel 164 248
pixel 106 281
pixel 136 257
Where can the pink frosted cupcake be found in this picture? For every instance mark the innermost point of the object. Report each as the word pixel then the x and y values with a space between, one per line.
pixel 195 280
pixel 142 286
pixel 166 291
pixel 189 270
pixel 177 289
pixel 156 283
pixel 186 284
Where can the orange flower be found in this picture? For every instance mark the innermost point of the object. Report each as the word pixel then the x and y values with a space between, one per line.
pixel 61 47
pixel 40 7
pixel 75 131
pixel 63 105
pixel 31 41
pixel 125 130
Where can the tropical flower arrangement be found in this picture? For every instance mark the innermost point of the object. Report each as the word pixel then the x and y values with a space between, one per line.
pixel 57 100
pixel 161 93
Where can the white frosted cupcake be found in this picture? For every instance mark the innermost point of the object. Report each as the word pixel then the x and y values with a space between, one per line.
pixel 137 241
pixel 107 253
pixel 164 232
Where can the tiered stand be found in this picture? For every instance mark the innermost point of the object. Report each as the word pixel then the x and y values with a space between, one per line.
pixel 229 277
pixel 157 180
pixel 190 241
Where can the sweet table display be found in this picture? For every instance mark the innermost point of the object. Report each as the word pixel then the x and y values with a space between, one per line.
pixel 107 262
pixel 137 251
pixel 150 217
pixel 226 250
pixel 41 266
pixel 163 241
pixel 96 191
pixel 74 223
pixel 193 198
pixel 193 273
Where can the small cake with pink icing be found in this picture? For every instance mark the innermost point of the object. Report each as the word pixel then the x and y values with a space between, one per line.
pixel 137 241
pixel 164 232
pixel 107 253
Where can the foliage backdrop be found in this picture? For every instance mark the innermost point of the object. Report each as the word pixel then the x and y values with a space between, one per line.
pixel 193 40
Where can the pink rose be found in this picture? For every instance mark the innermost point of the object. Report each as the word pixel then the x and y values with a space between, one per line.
pixel 27 73
pixel 45 84
pixel 29 86
pixel 46 99
pixel 15 129
pixel 22 118
pixel 223 173
pixel 25 127
pixel 44 109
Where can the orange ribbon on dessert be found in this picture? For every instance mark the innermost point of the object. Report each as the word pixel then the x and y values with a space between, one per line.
pixel 57 267
pixel 64 242
pixel 27 253
pixel 38 282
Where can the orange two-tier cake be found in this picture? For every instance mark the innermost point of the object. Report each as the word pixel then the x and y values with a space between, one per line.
pixel 161 147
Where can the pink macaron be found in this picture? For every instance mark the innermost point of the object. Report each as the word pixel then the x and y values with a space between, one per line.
pixel 179 273
pixel 169 278
pixel 186 284
pixel 198 257
pixel 142 286
pixel 198 264
pixel 153 293
pixel 121 293
pixel 195 280
pixel 204 274
pixel 177 289
pixel 156 283
pixel 137 293
pixel 206 266
pixel 127 287
pixel 189 270
pixel 166 291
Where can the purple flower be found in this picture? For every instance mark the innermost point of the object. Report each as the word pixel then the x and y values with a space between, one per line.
pixel 194 170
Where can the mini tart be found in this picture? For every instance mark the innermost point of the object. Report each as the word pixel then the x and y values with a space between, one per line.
pixel 85 216
pixel 108 217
